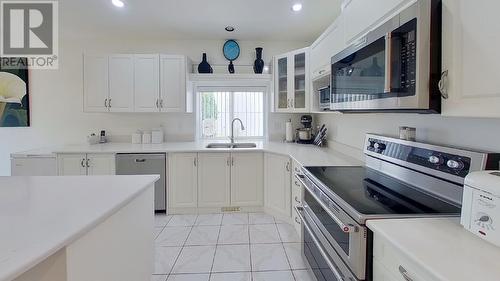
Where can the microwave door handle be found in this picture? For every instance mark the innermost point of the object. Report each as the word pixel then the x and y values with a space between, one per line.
pixel 346 228
pixel 317 243
pixel 388 65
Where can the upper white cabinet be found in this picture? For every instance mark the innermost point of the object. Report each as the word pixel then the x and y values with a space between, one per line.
pixel 85 164
pixel 470 55
pixel 121 83
pixel 360 16
pixel 95 78
pixel 327 45
pixel 214 179
pixel 173 90
pixel 136 83
pixel 247 184
pixel 277 184
pixel 146 83
pixel 291 81
pixel 182 180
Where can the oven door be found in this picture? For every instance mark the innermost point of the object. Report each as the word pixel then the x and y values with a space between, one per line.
pixel 322 258
pixel 344 235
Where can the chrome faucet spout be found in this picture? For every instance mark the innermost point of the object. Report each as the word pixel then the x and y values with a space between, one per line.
pixel 232 128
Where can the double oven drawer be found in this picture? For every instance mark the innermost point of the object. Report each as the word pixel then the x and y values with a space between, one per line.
pixel 342 238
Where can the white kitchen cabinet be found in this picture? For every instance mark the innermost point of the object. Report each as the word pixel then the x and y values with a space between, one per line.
pixel 71 164
pixel 470 55
pixel 390 263
pixel 146 83
pixel 247 179
pixel 121 83
pixel 277 185
pixel 100 164
pixel 173 83
pixel 327 45
pixel 183 180
pixel 85 164
pixel 291 80
pixel 34 166
pixel 214 179
pixel 360 16
pixel 95 83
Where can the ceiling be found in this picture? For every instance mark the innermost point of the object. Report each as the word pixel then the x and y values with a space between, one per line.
pixel 259 20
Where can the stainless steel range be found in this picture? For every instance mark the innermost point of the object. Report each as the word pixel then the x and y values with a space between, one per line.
pixel 401 179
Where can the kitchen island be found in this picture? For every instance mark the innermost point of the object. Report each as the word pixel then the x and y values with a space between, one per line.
pixel 76 228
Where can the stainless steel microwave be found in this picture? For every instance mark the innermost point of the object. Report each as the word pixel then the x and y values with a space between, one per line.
pixel 395 67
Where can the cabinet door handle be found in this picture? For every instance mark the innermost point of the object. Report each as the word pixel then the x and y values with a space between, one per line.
pixel 109 103
pixel 232 161
pixel 291 104
pixel 82 163
pixel 228 161
pixel 297 220
pixel 443 84
pixel 157 103
pixel 87 163
pixel 194 161
pixel 297 184
pixel 161 103
pixel 297 200
pixel 404 273
pixel 288 166
pixel 106 103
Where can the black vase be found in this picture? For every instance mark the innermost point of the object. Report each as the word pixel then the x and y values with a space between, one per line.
pixel 230 67
pixel 204 66
pixel 258 65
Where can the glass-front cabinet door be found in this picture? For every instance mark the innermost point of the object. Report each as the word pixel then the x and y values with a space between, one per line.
pixel 282 83
pixel 291 82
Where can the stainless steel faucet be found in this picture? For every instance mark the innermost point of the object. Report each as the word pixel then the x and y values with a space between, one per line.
pixel 232 128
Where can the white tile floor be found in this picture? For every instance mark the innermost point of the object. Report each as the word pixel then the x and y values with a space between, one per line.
pixel 229 247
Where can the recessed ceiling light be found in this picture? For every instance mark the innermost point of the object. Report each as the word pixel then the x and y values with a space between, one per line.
pixel 118 3
pixel 229 28
pixel 297 7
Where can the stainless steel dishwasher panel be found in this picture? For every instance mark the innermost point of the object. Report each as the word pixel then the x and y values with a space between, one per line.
pixel 146 164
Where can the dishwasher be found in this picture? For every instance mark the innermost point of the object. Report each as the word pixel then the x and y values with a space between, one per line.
pixel 146 164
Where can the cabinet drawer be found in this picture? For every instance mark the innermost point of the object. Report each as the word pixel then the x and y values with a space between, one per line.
pixel 397 263
pixel 297 224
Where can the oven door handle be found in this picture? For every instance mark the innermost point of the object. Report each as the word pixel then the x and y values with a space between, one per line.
pixel 346 228
pixel 388 61
pixel 318 244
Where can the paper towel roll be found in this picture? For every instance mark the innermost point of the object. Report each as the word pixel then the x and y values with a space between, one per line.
pixel 289 131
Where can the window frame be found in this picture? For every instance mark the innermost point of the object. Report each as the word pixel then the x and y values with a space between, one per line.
pixel 210 86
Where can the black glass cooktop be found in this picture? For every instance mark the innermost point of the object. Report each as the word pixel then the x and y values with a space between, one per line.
pixel 372 193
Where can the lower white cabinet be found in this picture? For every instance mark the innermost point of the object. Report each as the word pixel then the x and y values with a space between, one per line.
pixel 85 164
pixel 183 180
pixel 247 183
pixel 34 166
pixel 277 183
pixel 214 183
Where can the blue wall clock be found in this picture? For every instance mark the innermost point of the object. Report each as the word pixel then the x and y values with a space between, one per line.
pixel 231 50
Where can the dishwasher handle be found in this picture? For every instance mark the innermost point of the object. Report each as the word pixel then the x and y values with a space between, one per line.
pixel 139 160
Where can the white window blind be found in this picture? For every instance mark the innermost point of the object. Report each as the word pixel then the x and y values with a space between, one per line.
pixel 218 108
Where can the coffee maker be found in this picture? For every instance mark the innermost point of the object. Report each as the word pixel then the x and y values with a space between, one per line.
pixel 305 135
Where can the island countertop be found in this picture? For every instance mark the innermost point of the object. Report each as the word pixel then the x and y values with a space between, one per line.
pixel 41 215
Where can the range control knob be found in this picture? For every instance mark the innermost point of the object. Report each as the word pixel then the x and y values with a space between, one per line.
pixel 379 146
pixel 455 164
pixel 436 159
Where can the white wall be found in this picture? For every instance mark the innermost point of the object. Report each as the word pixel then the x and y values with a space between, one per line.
pixel 474 133
pixel 57 115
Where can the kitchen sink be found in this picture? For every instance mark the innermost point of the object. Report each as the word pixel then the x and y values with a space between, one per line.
pixel 244 145
pixel 232 145
pixel 219 145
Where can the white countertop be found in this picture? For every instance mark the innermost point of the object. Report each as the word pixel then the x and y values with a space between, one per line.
pixel 41 215
pixel 306 155
pixel 442 247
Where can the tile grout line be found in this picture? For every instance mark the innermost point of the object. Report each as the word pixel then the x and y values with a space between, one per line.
pixel 250 248
pixel 216 245
pixel 182 247
pixel 284 251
